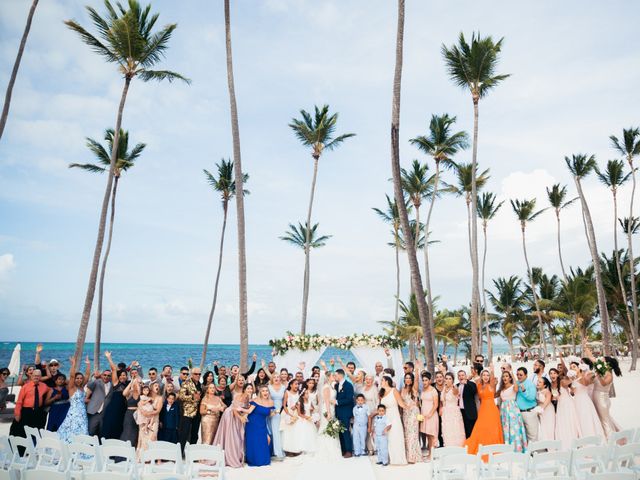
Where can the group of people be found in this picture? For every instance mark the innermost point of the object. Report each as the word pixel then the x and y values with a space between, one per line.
pixel 328 412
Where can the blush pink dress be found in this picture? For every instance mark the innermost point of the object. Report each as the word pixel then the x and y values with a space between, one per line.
pixel 547 428
pixel 567 423
pixel 590 423
pixel 429 426
pixel 452 424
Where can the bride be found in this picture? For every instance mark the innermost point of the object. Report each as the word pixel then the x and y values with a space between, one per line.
pixel 327 448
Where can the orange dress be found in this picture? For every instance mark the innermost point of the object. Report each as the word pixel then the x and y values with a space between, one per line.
pixel 487 429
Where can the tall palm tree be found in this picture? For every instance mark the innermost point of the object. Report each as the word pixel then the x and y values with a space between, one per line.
pixel 316 132
pixel 549 288
pixel 526 212
pixel 125 38
pixel 629 225
pixel 579 297
pixel 441 144
pixel 391 216
pixel 629 148
pixel 125 159
pixel 557 198
pixel 238 178
pixel 225 185
pixel 487 210
pixel 473 68
pixel 16 66
pixel 614 177
pixel 580 166
pixel 417 185
pixel 508 301
pixel 416 280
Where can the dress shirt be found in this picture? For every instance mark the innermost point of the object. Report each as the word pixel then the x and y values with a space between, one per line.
pixel 26 396
pixel 526 400
pixel 460 399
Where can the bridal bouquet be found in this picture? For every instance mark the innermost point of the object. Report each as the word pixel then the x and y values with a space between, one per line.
pixel 539 410
pixel 334 428
pixel 601 366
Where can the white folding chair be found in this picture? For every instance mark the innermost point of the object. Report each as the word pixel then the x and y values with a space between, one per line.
pixel 489 451
pixel 84 458
pixel 626 458
pixel 161 444
pixel 622 437
pixel 8 474
pixel 114 442
pixel 52 455
pixel 611 476
pixel 437 454
pixel 542 446
pixel 457 466
pixel 48 434
pixel 592 441
pixel 86 439
pixel 636 438
pixel 587 460
pixel 40 474
pixel 5 452
pixel 120 459
pixel 162 460
pixel 206 459
pixel 108 476
pixel 162 476
pixel 550 464
pixel 28 457
pixel 32 433
pixel 509 465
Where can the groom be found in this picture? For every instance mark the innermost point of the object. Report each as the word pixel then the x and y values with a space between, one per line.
pixel 344 412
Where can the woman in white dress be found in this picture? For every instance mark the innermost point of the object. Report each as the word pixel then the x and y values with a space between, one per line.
pixel 390 398
pixel 327 448
pixel 289 418
pixel 588 418
pixel 305 431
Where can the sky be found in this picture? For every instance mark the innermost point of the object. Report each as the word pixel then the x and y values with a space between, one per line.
pixel 574 76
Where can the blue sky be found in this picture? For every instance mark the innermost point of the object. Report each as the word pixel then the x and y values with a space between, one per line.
pixel 575 73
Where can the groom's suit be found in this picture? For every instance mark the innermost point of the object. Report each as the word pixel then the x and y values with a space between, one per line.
pixel 344 412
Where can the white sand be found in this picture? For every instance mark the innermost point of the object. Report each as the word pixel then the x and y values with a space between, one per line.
pixel 625 409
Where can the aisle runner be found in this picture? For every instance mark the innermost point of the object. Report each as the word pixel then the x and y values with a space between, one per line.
pixel 351 468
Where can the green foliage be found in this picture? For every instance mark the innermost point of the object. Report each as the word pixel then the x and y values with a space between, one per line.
pixel 629 146
pixel 297 236
pixel 580 165
pixel 317 131
pixel 125 159
pixel 440 143
pixel 486 206
pixel 224 183
pixel 525 210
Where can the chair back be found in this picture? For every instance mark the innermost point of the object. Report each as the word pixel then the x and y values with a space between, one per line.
pixel 162 459
pixel 622 437
pixel 591 459
pixel 44 474
pixel 544 446
pixel 592 441
pixel 550 463
pixel 510 465
pixel 48 434
pixel 23 453
pixel 493 449
pixel 457 465
pixel 118 458
pixel 207 459
pixel 32 433
pixel 115 442
pixel 84 457
pixel 624 457
pixel 87 439
pixel 52 454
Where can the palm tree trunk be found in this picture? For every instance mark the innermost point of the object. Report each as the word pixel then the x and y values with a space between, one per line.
pixel 417 239
pixel 427 272
pixel 16 66
pixel 484 295
pixel 564 273
pixel 237 161
pixel 543 343
pixel 455 354
pixel 397 275
pixel 96 344
pixel 602 301
pixel 632 271
pixel 475 300
pixel 399 197
pixel 225 208
pixel 307 250
pixel 93 275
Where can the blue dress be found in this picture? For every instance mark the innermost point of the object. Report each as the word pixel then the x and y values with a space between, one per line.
pixel 256 435
pixel 274 421
pixel 58 410
pixel 512 424
pixel 76 421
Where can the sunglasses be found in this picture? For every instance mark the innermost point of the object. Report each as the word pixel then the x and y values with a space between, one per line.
pixel 196 374
pixel 184 374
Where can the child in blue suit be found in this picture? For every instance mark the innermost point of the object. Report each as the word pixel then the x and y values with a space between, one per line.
pixel 360 425
pixel 169 419
pixel 380 429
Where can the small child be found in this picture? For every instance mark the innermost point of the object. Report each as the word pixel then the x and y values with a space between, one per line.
pixel 144 405
pixel 169 419
pixel 381 429
pixel 360 426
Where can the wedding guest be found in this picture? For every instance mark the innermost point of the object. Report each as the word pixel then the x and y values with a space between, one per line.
pixel 169 419
pixel 261 379
pixel 289 418
pixel 207 380
pixel 304 427
pixel 115 410
pixel 223 391
pixel 554 379
pixel 547 430
pixel 184 375
pixel 76 422
pixel 603 386
pixel 312 387
pixel 567 421
pixel 276 392
pixel 590 423
pixel 410 421
pixel 189 397
pixel 372 400
pixel 487 429
pixel 512 424
pixel 237 387
pixel 53 373
pixel 429 409
pixel 360 426
pixel 4 389
pixel 452 422
pixel 153 378
pixel 538 371
pixel 150 434
pixel 392 401
pixel 100 389
pixel 25 376
pixel 58 403
pixel 211 407
pixel 344 411
pixel 438 384
pixel 257 438
pixel 526 400
pixel 467 392
pixel 29 410
pixel 381 428
pixel 167 377
pixel 132 395
pixel 230 434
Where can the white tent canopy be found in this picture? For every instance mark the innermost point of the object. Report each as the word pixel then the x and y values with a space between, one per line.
pixel 14 363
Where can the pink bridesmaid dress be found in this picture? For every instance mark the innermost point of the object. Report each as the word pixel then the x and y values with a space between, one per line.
pixel 567 423
pixel 547 428
pixel 590 423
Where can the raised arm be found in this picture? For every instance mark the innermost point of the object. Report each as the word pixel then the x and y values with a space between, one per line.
pixel 253 366
pixel 38 351
pixel 112 365
pixel 265 369
pixel 399 399
pixel 87 370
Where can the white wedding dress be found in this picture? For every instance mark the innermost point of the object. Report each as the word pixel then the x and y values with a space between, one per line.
pixel 327 448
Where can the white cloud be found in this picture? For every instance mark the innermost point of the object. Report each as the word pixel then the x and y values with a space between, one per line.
pixel 7 265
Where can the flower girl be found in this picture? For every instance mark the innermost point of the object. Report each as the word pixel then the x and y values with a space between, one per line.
pixel 305 428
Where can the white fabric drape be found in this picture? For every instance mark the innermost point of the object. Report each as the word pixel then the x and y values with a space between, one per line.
pixel 292 358
pixel 368 356
pixel 14 363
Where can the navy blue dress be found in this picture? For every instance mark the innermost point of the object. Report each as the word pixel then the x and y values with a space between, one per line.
pixel 58 410
pixel 256 435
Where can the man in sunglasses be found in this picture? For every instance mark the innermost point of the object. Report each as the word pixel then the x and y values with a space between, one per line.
pixel 99 397
pixel 526 400
pixel 189 396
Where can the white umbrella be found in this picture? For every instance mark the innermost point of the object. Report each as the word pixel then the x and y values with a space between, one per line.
pixel 14 363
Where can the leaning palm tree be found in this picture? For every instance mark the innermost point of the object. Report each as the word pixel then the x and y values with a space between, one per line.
pixel 629 148
pixel 614 177
pixel 317 132
pixel 225 185
pixel 416 280
pixel 441 144
pixel 473 68
pixel 557 196
pixel 16 66
pixel 125 38
pixel 125 159
pixel 526 212
pixel 580 166
pixel 487 210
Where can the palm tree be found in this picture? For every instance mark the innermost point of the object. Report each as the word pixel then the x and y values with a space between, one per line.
pixel 580 166
pixel 614 177
pixel 557 196
pixel 629 148
pixel 225 185
pixel 417 185
pixel 125 38
pixel 391 216
pixel 579 297
pixel 487 210
pixel 508 301
pixel 549 288
pixel 442 145
pixel 316 132
pixel 473 68
pixel 629 225
pixel 124 160
pixel 238 179
pixel 526 212
pixel 16 66
pixel 416 281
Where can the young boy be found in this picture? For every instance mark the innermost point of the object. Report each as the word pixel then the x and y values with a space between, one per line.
pixel 169 418
pixel 380 429
pixel 360 425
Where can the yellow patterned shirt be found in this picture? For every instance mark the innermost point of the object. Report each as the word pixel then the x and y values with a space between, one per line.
pixel 187 398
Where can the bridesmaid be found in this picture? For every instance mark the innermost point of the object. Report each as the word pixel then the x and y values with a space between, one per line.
pixel 289 418
pixel 429 409
pixel 452 424
pixel 211 408
pixel 554 380
pixel 276 391
pixel 372 401
pixel 230 434
pixel 590 424
pixel 391 399
pixel 487 429
pixel 512 424
pixel 602 396
pixel 567 422
pixel 547 429
pixel 257 436
pixel 438 384
pixel 410 413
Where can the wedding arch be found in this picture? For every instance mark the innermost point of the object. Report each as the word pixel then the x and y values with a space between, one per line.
pixel 368 349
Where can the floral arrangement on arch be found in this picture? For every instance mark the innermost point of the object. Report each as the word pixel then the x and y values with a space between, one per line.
pixel 346 342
